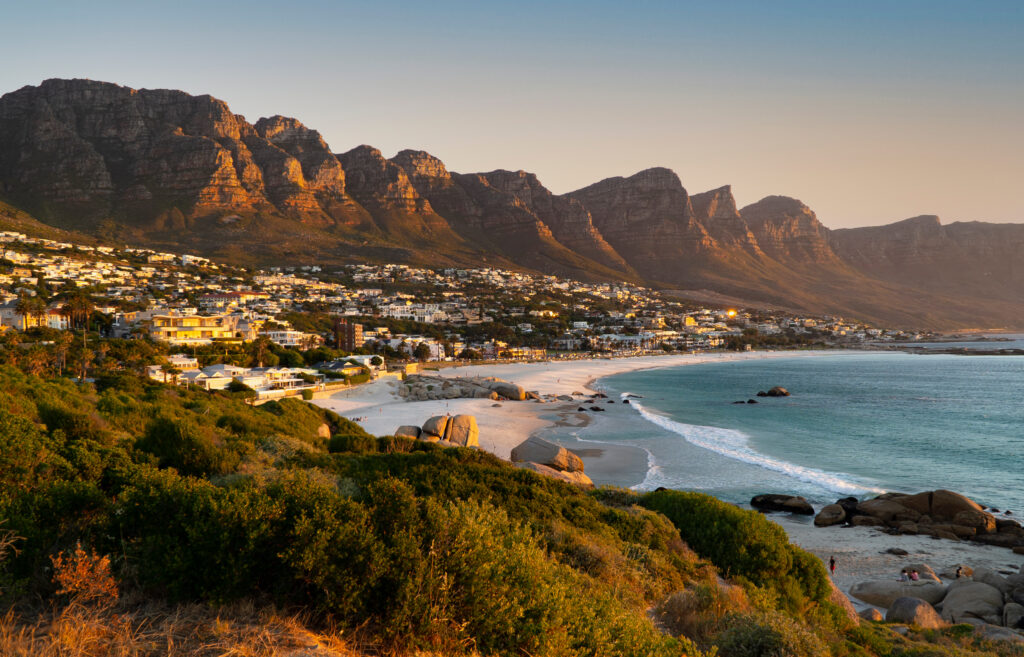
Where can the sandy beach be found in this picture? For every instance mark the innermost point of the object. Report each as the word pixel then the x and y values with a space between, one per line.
pixel 861 553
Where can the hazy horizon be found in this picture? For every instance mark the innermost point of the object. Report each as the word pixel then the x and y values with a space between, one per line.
pixel 869 114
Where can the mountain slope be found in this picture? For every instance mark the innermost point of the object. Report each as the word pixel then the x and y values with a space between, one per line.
pixel 174 171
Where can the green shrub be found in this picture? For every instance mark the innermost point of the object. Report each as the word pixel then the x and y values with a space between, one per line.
pixel 744 544
pixel 307 394
pixel 357 444
pixel 768 635
pixel 187 447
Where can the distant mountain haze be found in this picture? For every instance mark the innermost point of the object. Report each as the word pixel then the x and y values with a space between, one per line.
pixel 174 171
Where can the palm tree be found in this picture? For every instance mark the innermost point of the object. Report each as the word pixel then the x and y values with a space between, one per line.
pixel 78 308
pixel 61 346
pixel 29 307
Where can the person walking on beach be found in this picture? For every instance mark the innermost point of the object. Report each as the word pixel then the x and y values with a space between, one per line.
pixel 832 565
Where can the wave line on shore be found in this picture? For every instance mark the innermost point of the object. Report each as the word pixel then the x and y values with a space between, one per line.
pixel 733 444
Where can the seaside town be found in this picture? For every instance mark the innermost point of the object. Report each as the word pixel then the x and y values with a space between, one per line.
pixel 308 322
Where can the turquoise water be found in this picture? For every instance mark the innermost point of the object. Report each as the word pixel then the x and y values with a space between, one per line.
pixel 855 424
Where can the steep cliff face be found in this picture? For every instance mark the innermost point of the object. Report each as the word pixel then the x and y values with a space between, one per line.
pixel 647 218
pixel 78 148
pixel 967 257
pixel 716 211
pixel 496 211
pixel 569 221
pixel 168 169
pixel 787 230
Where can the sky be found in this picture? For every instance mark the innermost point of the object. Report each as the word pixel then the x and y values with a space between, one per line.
pixel 869 112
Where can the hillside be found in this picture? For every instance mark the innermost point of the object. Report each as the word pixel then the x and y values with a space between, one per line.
pixel 135 510
pixel 167 169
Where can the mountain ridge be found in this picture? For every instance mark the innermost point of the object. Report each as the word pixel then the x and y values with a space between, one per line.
pixel 169 169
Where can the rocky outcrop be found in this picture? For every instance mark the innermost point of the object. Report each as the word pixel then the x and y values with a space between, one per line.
pixel 969 601
pixel 883 592
pixel 783 503
pixel 648 219
pixel 940 513
pixel 547 453
pixel 408 431
pixel 777 391
pixel 788 231
pixel 576 478
pixel 436 426
pixel 832 514
pixel 462 431
pixel 914 611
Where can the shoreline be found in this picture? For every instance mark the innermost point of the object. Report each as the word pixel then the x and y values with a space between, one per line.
pixel 860 552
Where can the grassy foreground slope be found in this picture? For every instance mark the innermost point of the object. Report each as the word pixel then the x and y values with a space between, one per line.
pixel 126 501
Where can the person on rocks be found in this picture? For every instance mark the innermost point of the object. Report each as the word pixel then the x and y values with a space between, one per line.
pixel 914 576
pixel 903 576
pixel 959 571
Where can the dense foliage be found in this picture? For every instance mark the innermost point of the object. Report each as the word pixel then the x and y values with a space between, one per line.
pixel 196 496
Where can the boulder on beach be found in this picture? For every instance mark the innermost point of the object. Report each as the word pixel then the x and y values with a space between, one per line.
pixel 967 600
pixel 883 592
pixel 463 431
pixel 783 503
pixel 577 478
pixel 547 453
pixel 832 514
pixel 993 579
pixel 914 611
pixel 507 390
pixel 408 431
pixel 436 426
pixel 872 614
pixel 1013 615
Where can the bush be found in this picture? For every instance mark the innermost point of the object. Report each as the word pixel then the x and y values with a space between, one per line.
pixel 768 635
pixel 185 446
pixel 352 444
pixel 744 544
pixel 307 394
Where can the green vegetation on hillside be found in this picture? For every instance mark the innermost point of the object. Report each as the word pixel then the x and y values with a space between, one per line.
pixel 199 497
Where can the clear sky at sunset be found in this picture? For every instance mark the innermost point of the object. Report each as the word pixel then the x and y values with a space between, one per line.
pixel 869 112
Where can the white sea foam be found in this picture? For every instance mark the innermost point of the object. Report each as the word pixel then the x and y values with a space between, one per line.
pixel 734 445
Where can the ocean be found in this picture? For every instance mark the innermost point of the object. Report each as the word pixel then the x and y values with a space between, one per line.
pixel 855 424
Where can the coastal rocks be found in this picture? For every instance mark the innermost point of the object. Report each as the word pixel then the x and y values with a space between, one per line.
pixel 408 431
pixel 421 387
pixel 777 391
pixel 872 614
pixel 436 426
pixel 968 600
pixel 783 503
pixel 541 451
pixel 882 593
pixel 323 431
pixel 463 431
pixel 914 611
pixel 1013 615
pixel 940 514
pixel 833 514
pixel 445 430
pixel 577 478
pixel 550 460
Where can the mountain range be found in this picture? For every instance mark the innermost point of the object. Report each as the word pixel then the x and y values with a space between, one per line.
pixel 171 170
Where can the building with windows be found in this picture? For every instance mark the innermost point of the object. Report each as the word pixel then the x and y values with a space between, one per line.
pixel 193 329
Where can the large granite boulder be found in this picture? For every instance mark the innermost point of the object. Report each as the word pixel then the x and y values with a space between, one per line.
pixel 408 431
pixel 996 633
pixel 924 571
pixel 577 478
pixel 883 592
pixel 914 611
pixel 462 430
pixel 981 522
pixel 784 503
pixel 968 600
pixel 542 451
pixel 436 426
pixel 945 504
pixel 887 510
pixel 508 390
pixel 872 614
pixel 833 514
pixel 1013 615
pixel 993 579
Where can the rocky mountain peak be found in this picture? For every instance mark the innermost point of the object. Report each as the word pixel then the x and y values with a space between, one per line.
pixel 715 204
pixel 785 228
pixel 423 169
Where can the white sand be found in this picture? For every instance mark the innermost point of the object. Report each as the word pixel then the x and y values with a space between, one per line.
pixel 505 426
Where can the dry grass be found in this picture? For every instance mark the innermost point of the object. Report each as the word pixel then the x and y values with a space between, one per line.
pixel 239 630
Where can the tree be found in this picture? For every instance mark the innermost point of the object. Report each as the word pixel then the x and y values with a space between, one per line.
pixel 78 308
pixel 30 307
pixel 422 351
pixel 376 361
pixel 61 346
